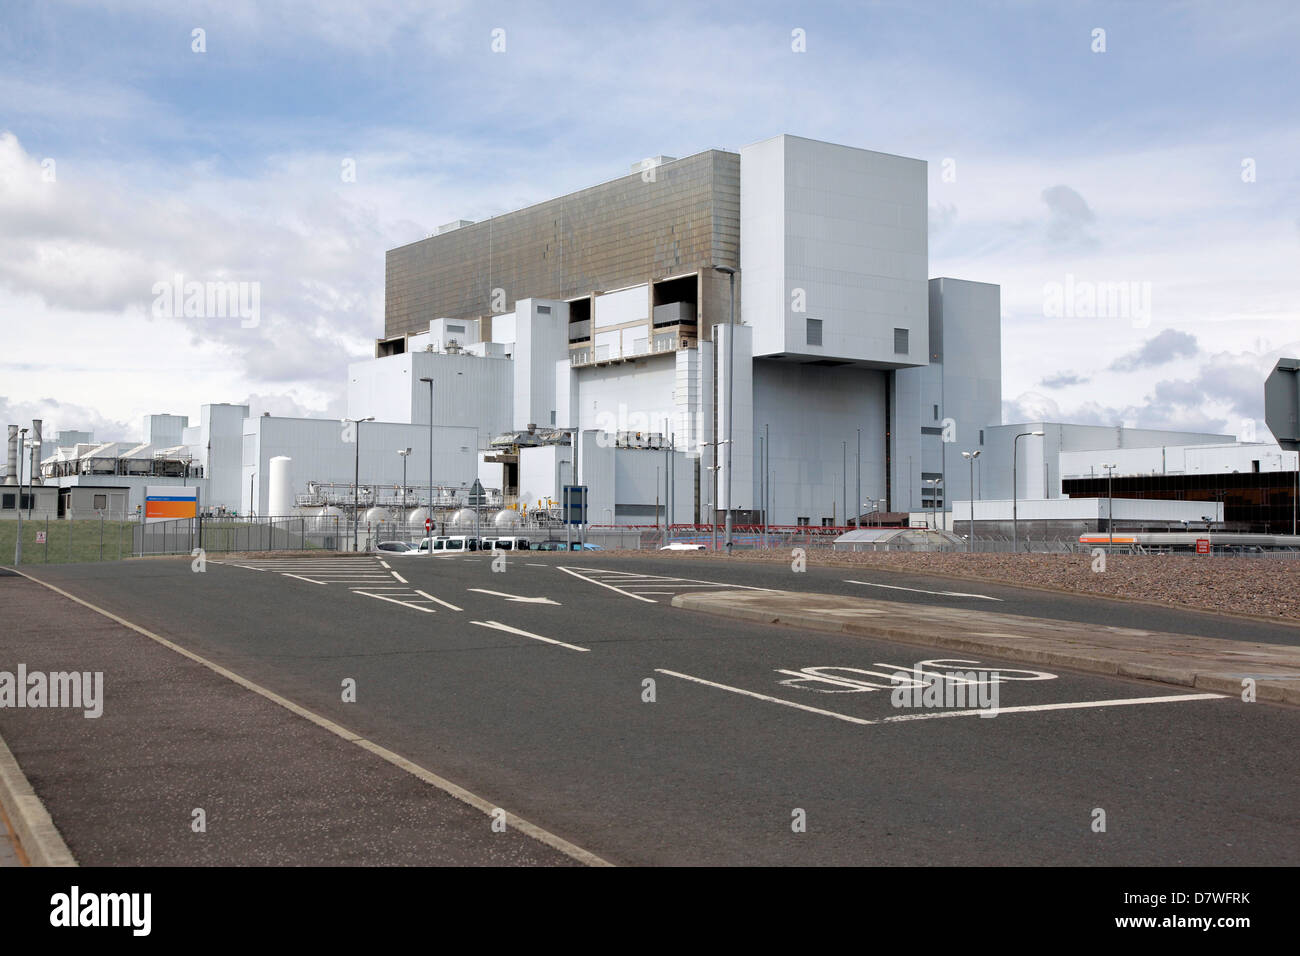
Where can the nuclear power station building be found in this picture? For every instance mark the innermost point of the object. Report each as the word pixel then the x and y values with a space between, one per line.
pixel 753 332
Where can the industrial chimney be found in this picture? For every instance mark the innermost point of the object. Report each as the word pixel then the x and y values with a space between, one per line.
pixel 11 473
pixel 36 452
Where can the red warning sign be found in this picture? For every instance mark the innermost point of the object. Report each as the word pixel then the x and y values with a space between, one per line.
pixel 1202 545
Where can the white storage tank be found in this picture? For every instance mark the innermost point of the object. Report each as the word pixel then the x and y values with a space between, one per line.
pixel 415 520
pixel 376 516
pixel 464 519
pixel 280 494
pixel 330 517
pixel 505 519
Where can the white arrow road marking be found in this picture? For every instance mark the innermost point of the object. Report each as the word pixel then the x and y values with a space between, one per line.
pixel 515 597
pixel 497 625
pixel 895 587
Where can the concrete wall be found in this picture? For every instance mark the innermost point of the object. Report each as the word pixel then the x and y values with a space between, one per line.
pixel 1179 460
pixel 319 453
pixel 541 329
pixel 852 234
pixel 637 395
pixel 468 390
pixel 811 411
pixel 221 453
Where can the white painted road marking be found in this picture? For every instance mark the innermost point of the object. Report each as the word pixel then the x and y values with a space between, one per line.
pixel 934 715
pixel 436 600
pixel 497 625
pixel 300 578
pixel 895 587
pixel 400 578
pixel 635 585
pixel 515 597
pixel 393 600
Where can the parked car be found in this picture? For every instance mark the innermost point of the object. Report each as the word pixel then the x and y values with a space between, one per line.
pixel 583 546
pixel 397 547
pixel 548 546
pixel 682 546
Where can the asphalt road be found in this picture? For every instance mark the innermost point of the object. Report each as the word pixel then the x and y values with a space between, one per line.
pixel 552 722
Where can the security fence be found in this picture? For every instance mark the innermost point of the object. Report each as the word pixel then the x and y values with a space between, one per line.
pixel 62 541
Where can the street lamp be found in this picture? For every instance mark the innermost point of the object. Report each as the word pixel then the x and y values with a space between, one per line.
pixel 430 515
pixel 970 456
pixel 713 508
pixel 404 452
pixel 934 484
pixel 356 476
pixel 730 273
pixel 1110 506
pixel 18 542
pixel 1015 449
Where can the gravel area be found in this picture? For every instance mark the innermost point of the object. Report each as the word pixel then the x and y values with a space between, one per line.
pixel 1265 587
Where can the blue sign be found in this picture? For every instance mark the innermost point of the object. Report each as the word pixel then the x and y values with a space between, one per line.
pixel 575 504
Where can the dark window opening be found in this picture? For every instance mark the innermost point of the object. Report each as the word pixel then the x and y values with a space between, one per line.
pixel 814 332
pixel 900 342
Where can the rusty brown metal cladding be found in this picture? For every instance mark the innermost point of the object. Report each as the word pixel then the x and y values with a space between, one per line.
pixel 617 234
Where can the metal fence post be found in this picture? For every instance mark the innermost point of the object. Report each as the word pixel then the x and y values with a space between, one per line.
pixel 101 536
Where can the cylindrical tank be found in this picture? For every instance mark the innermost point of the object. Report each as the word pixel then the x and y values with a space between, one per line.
pixel 505 519
pixel 464 518
pixel 329 517
pixel 280 496
pixel 415 520
pixel 35 473
pixel 375 516
pixel 11 472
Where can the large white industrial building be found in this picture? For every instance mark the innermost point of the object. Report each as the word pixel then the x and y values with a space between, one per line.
pixel 850 383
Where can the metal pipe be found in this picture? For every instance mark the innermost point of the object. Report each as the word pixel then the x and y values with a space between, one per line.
pixel 11 471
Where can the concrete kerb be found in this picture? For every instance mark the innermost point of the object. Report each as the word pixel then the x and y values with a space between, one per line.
pixel 39 837
pixel 1080 656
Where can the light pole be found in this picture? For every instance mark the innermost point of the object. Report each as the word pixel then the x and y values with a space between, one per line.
pixel 1110 506
pixel 356 476
pixel 405 453
pixel 250 495
pixel 430 515
pixel 971 456
pixel 713 505
pixel 18 543
pixel 730 273
pixel 1015 448
pixel 35 445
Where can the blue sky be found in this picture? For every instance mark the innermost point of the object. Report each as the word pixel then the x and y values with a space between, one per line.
pixel 1106 167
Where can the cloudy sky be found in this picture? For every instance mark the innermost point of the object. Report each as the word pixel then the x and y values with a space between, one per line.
pixel 1165 166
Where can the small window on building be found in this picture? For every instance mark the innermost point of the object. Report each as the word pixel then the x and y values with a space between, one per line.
pixel 8 503
pixel 1254 465
pixel 455 328
pixel 101 502
pixel 552 416
pixel 543 310
pixel 828 522
pixel 802 522
pixel 981 436
pixel 900 341
pixel 936 413
pixel 814 331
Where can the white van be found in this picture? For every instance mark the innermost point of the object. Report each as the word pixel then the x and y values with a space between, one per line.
pixel 510 543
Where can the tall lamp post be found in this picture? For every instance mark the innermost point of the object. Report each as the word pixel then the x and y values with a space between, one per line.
pixel 1110 506
pixel 730 273
pixel 1015 449
pixel 356 477
pixel 430 515
pixel 713 506
pixel 970 456
pixel 405 453
pixel 18 542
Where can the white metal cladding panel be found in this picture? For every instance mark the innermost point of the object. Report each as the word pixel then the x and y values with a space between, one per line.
pixel 382 387
pixel 740 486
pixel 627 396
pixel 686 400
pixel 811 411
pixel 540 473
pixel 467 390
pixel 856 241
pixel 704 414
pixel 1086 509
pixel 626 305
pixel 596 471
pixel 763 301
pixel 223 443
